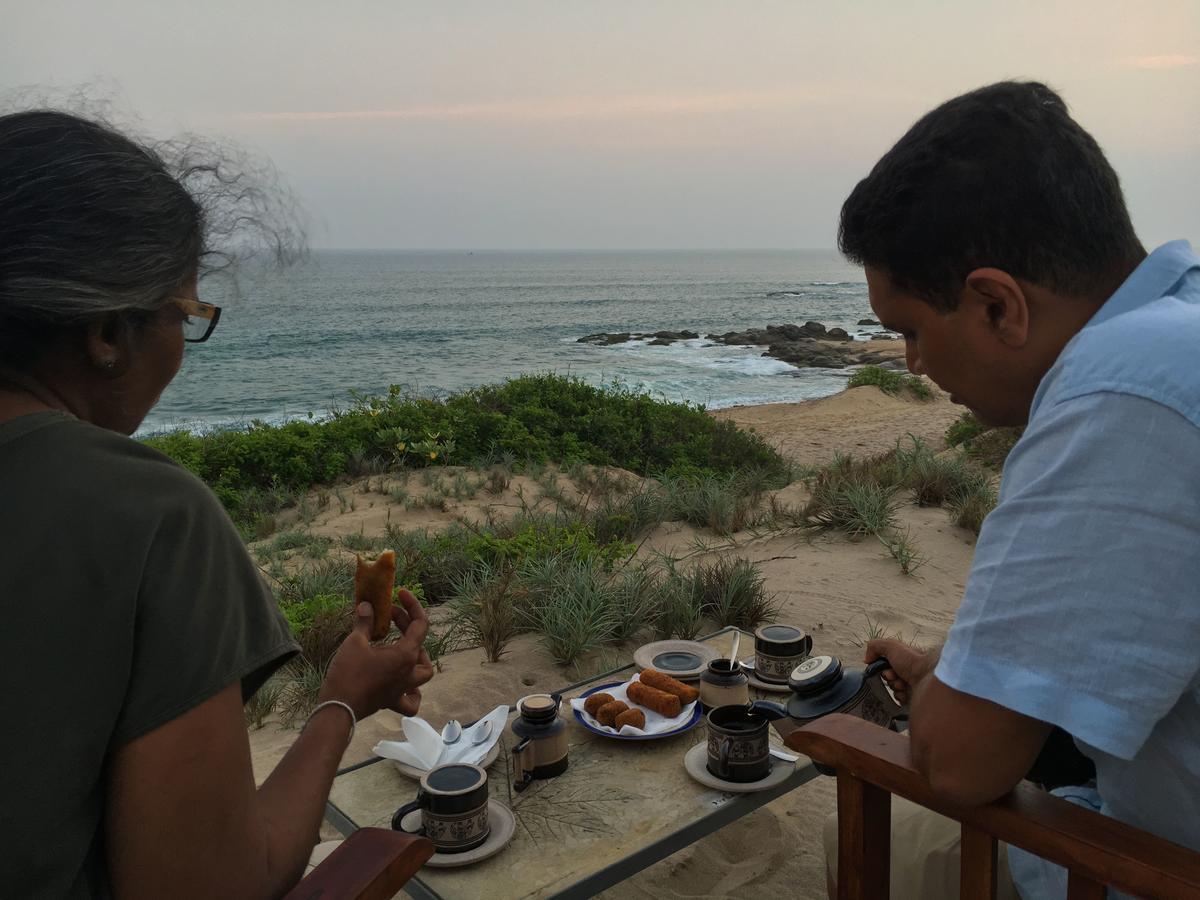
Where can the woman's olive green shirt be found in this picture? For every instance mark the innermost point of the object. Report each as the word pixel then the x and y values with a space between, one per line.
pixel 127 598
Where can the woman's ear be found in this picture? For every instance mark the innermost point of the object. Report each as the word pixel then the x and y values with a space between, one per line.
pixel 107 343
pixel 1000 303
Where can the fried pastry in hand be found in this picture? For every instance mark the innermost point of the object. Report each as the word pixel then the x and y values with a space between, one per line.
pixel 373 583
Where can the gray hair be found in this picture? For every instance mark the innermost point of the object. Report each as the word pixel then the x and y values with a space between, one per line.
pixel 94 223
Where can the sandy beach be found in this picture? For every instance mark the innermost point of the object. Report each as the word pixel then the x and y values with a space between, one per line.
pixel 837 589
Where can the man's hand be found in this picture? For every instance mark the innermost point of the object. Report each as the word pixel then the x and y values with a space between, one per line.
pixel 908 665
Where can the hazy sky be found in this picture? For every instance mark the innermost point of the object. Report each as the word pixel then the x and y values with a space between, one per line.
pixel 615 124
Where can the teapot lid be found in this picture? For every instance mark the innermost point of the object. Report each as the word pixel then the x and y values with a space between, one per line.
pixel 815 675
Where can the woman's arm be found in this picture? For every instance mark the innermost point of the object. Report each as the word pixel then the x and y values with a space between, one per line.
pixel 183 818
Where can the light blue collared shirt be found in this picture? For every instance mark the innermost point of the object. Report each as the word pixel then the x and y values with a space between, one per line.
pixel 1083 604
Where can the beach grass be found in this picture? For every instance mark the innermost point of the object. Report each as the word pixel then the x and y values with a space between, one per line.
pixel 891 382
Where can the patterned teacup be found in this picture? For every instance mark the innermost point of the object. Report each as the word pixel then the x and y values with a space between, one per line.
pixel 738 744
pixel 453 801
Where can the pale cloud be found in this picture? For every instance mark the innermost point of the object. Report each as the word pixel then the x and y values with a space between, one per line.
pixel 576 107
pixel 1167 61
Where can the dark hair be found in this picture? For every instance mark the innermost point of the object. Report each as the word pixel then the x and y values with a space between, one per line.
pixel 1003 177
pixel 93 223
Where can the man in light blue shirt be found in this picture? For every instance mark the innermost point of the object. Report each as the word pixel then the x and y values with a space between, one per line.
pixel 996 240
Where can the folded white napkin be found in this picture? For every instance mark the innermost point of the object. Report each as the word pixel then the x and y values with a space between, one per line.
pixel 424 748
pixel 655 723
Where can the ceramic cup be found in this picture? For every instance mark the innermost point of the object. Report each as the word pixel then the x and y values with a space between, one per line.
pixel 453 800
pixel 778 649
pixel 739 747
pixel 724 684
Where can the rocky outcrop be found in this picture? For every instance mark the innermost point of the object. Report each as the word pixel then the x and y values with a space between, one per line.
pixel 659 338
pixel 810 345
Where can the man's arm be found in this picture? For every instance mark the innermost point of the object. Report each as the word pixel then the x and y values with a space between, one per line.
pixel 971 750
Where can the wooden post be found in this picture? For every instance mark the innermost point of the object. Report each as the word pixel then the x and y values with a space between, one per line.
pixel 977 878
pixel 864 839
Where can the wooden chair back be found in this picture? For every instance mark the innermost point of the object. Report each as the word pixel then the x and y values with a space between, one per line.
pixel 371 864
pixel 873 763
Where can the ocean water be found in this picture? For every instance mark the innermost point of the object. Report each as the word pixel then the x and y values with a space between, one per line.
pixel 297 342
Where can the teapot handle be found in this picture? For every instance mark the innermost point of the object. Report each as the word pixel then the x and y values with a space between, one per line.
pixel 522 767
pixel 875 670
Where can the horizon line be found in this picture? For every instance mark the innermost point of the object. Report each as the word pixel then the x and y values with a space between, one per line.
pixel 469 250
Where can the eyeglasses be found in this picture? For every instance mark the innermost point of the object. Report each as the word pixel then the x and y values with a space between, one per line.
pixel 200 319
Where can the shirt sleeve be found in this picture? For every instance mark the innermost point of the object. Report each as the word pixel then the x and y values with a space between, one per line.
pixel 1082 606
pixel 204 618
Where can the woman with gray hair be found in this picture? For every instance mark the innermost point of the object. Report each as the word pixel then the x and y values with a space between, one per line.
pixel 135 623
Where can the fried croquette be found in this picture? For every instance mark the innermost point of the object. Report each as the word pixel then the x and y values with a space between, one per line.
pixel 607 714
pixel 652 698
pixel 655 679
pixel 634 717
pixel 595 701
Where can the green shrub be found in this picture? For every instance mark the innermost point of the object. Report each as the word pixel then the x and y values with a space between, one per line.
pixel 535 417
pixel 891 382
pixel 855 496
pixel 570 607
pixel 732 592
pixel 969 508
pixel 319 624
pixel 933 479
pixel 963 429
pixel 988 446
pixel 718 502
pixel 484 610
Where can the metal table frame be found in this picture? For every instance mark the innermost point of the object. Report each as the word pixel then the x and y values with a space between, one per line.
pixel 729 811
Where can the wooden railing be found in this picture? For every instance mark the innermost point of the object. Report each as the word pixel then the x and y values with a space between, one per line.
pixel 873 763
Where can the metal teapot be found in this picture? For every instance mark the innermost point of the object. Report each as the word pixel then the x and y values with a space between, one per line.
pixel 821 686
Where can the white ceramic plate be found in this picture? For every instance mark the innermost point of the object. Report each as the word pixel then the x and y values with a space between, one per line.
pixel 684 660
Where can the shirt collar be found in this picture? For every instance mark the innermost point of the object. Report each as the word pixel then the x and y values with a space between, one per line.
pixel 1157 273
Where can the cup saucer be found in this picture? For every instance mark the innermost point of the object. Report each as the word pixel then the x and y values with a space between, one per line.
pixel 756 682
pixel 696 763
pixel 504 826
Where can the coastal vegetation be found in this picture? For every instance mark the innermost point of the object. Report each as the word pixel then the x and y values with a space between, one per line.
pixel 541 495
pixel 985 444
pixel 891 382
pixel 261 469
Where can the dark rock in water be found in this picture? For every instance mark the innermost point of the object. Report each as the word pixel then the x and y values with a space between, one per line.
pixel 605 339
pixel 867 322
pixel 809 345
pixel 786 332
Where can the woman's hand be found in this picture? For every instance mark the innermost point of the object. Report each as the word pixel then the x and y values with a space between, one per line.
pixel 382 676
pixel 908 665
